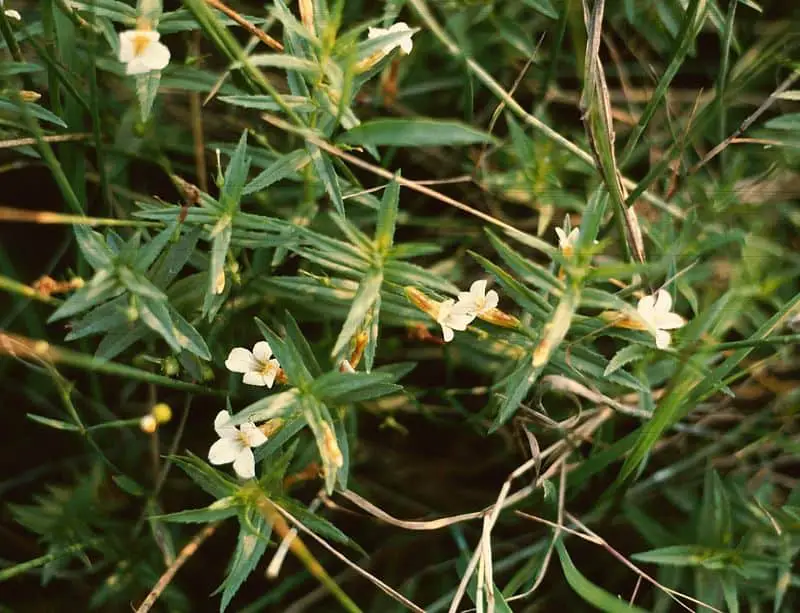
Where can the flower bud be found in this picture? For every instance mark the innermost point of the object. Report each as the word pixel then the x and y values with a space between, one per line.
pixel 330 446
pixel 148 424
pixel 422 302
pixel 162 412
pixel 29 96
pixel 170 366
pixel 268 428
pixel 499 318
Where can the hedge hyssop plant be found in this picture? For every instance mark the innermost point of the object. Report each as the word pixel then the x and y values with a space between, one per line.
pixel 320 258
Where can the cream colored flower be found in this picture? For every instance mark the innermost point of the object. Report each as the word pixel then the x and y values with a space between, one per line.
pixel 452 316
pixel 235 445
pixel 256 365
pixel 141 51
pixel 656 312
pixel 477 301
pixel 566 242
pixel 404 43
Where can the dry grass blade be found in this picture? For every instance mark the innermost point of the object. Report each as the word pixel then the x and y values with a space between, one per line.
pixel 596 106
pixel 388 590
pixel 180 560
pixel 787 83
pixel 252 29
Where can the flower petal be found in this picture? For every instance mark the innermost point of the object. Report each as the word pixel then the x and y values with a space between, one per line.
pixel 478 288
pixel 136 66
pixel 253 435
pixel 221 426
pixel 492 300
pixel 224 451
pixel 156 56
pixel 562 237
pixel 254 378
pixel 445 308
pixel 241 360
pixel 245 464
pixel 262 351
pixel 376 32
pixel 663 339
pixel 406 45
pixel 447 333
pixel 271 372
pixel 663 302
pixel 645 307
pixel 12 14
pixel 669 321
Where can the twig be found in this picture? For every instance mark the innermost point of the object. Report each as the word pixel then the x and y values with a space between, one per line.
pixel 53 138
pixel 189 549
pixel 196 112
pixel 381 172
pixel 257 32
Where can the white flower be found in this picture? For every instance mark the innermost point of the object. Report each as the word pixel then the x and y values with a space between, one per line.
pixel 452 316
pixel 256 365
pixel 566 242
pixel 142 52
pixel 477 301
pixel 11 13
pixel 656 312
pixel 235 444
pixel 404 43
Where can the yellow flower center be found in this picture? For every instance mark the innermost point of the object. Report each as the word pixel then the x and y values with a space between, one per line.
pixel 140 43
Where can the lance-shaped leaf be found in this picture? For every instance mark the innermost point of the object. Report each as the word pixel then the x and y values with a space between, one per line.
pixel 368 293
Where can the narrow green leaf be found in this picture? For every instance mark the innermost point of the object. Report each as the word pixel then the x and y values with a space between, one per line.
pixel 414 133
pixel 280 169
pixel 587 590
pixel 387 218
pixel 368 292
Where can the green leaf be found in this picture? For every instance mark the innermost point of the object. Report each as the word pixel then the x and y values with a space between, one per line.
pixel 268 103
pixel 280 169
pixel 587 590
pixel 53 423
pixel 387 218
pixel 156 316
pixel 146 90
pixel 414 133
pixel 790 121
pixel 685 555
pixel 368 292
pixel 327 174
pixel 625 356
pixel 515 389
pixel 101 288
pixel 235 177
pixel 93 247
pixel 219 509
pixel 216 268
pixel 128 485
pixel 545 7
pixel 336 388
pixel 254 536
pixel 209 479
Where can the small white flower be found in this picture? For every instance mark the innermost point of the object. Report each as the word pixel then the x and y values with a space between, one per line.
pixel 566 242
pixel 235 444
pixel 142 52
pixel 477 301
pixel 11 13
pixel 452 316
pixel 256 365
pixel 656 312
pixel 404 43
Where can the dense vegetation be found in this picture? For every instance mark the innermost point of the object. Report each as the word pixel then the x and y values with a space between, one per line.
pixel 427 305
